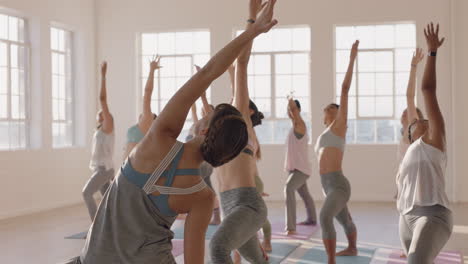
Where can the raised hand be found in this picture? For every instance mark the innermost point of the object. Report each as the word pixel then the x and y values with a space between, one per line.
pixel 432 37
pixel 354 50
pixel 154 64
pixel 265 20
pixel 104 68
pixel 255 6
pixel 418 56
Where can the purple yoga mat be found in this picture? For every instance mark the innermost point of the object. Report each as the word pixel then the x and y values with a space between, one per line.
pixel 303 232
pixel 446 257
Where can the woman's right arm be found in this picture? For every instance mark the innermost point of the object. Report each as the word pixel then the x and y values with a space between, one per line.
pixel 412 113
pixel 108 120
pixel 147 114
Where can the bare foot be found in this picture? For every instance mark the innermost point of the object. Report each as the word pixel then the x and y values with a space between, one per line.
pixel 308 223
pixel 267 246
pixel 348 252
pixel 236 258
pixel 403 255
pixel 291 232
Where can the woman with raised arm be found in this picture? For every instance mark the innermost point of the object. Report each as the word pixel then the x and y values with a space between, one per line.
pixel 160 179
pixel 101 163
pixel 297 164
pixel 136 133
pixel 243 207
pixel 330 148
pixel 425 218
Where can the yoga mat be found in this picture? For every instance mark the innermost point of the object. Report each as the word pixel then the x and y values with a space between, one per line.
pixel 81 235
pixel 281 250
pixel 303 232
pixel 318 255
pixel 179 232
pixel 445 257
pixel 177 247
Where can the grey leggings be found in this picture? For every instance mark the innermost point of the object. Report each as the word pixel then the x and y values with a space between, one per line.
pixel 245 213
pixel 99 181
pixel 297 181
pixel 338 192
pixel 424 232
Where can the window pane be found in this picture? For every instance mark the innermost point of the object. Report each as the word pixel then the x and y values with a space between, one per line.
pixel 5 138
pixel 166 43
pixel 56 135
pixel 366 61
pixel 385 36
pixel 366 36
pixel 300 85
pixel 385 131
pixel 3 80
pixel 283 85
pixel 366 106
pixel 15 104
pixel 351 107
pixel 68 137
pixel 201 42
pixel 283 64
pixel 281 107
pixel 180 81
pixel 145 65
pixel 282 39
pixel 184 42
pixel 406 35
pixel 339 82
pixel 281 130
pixel 401 83
pixel 403 59
pixel 300 64
pixel 168 87
pixel 201 60
pixel 168 67
pixel 149 44
pixel 305 107
pixel 55 63
pixel 262 86
pixel 384 106
pixel 265 132
pixel 263 43
pixel 342 60
pixel 365 131
pixel 54 39
pixel 13 29
pixel 345 37
pixel 3 54
pixel 366 84
pixel 384 61
pixel 3 28
pixel 61 61
pixel 62 88
pixel 351 132
pixel 261 64
pixel 55 87
pixel 14 81
pixel 62 110
pixel 384 84
pixel 264 105
pixel 3 106
pixel 14 56
pixel 301 39
pixel 400 105
pixel 183 66
pixel 61 38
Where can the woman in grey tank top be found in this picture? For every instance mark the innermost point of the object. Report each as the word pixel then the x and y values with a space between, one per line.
pixel 130 226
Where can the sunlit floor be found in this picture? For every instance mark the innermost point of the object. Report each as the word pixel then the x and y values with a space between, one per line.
pixel 39 238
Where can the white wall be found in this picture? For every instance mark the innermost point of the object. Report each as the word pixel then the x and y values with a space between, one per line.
pixel 44 178
pixel 370 168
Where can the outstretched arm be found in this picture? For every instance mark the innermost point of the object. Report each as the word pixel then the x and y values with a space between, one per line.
pixel 342 117
pixel 171 120
pixel 147 112
pixel 108 122
pixel 294 114
pixel 206 105
pixel 232 78
pixel 193 110
pixel 412 113
pixel 436 131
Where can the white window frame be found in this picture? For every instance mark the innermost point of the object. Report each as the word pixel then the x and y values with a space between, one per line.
pixel 273 74
pixel 26 45
pixel 356 72
pixel 69 87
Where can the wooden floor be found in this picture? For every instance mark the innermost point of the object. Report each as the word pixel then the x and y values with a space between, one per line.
pixel 39 238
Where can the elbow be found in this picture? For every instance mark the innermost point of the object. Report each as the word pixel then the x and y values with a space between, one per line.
pixel 102 98
pixel 428 88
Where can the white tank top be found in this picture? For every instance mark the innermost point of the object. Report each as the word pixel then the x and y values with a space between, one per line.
pixel 297 154
pixel 102 150
pixel 421 178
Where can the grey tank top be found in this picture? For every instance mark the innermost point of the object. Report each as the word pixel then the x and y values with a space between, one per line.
pixel 328 139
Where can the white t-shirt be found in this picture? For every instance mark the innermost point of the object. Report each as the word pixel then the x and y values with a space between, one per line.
pixel 102 150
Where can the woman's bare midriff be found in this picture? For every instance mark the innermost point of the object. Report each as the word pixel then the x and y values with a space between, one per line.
pixel 240 172
pixel 330 160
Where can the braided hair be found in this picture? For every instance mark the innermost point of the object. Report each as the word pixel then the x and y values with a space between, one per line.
pixel 227 136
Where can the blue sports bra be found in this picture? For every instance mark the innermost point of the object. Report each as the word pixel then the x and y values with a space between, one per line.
pixel 134 134
pixel 140 179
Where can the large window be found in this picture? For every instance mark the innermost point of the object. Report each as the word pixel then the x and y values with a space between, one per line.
pixel 377 96
pixel 280 66
pixel 62 90
pixel 13 83
pixel 179 52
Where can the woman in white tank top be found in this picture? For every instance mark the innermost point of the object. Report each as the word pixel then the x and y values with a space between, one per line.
pixel 101 162
pixel 425 218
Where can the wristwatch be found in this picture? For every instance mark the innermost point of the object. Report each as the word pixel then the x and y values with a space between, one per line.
pixel 432 53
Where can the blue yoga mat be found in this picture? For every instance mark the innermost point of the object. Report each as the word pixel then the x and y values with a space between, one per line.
pixel 318 255
pixel 179 232
pixel 81 235
pixel 281 250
